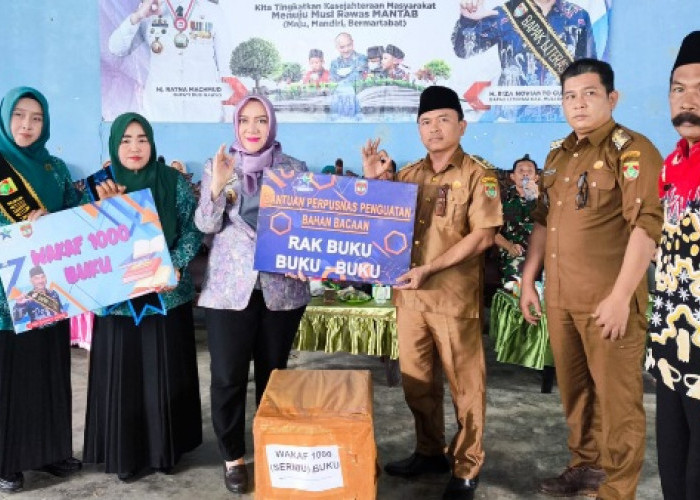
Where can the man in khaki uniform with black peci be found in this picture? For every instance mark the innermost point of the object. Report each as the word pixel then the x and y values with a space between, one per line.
pixel 439 300
pixel 596 226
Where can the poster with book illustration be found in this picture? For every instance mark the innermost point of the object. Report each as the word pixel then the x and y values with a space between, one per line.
pixel 83 259
pixel 334 227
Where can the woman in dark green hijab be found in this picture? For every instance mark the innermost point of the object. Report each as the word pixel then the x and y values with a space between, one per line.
pixel 146 172
pixel 143 408
pixel 35 390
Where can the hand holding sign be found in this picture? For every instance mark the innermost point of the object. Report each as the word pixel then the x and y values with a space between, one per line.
pixel 170 288
pixel 221 171
pixel 35 214
pixel 299 275
pixel 109 189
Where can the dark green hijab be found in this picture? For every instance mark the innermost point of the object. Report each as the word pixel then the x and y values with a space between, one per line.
pixel 33 162
pixel 155 175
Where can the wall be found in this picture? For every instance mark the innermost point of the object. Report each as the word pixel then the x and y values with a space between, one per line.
pixel 52 45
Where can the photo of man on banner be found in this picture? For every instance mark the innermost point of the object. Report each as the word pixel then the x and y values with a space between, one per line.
pixel 536 41
pixel 40 305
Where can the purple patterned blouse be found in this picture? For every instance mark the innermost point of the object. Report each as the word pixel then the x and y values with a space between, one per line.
pixel 230 277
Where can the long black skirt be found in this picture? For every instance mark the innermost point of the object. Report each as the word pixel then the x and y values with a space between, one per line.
pixel 35 398
pixel 143 407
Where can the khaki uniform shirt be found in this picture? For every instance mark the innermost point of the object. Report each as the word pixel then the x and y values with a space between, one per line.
pixel 585 247
pixel 473 202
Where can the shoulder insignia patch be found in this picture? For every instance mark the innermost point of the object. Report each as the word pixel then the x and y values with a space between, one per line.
pixel 490 186
pixel 484 163
pixel 630 164
pixel 621 138
pixel 556 144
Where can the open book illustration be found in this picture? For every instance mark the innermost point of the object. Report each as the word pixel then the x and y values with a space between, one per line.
pixel 144 265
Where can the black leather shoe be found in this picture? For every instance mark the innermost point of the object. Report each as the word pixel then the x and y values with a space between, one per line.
pixel 12 483
pixel 63 468
pixel 418 464
pixel 460 489
pixel 126 476
pixel 236 478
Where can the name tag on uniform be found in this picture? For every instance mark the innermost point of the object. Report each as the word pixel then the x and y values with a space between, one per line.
pixel 441 202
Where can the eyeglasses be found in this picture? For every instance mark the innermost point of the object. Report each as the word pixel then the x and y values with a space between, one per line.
pixel 582 195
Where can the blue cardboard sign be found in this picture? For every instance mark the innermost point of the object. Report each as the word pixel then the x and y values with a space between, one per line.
pixel 83 259
pixel 334 227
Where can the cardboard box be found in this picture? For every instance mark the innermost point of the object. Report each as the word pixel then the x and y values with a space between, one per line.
pixel 314 436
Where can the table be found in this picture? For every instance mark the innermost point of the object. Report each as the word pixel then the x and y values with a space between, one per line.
pixel 518 342
pixel 515 340
pixel 369 328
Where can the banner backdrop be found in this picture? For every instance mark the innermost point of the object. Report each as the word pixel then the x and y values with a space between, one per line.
pixel 366 61
pixel 334 227
pixel 83 259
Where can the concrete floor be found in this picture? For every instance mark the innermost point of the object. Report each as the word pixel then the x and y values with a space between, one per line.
pixel 524 440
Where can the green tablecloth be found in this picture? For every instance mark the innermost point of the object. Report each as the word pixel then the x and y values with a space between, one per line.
pixel 515 340
pixel 369 328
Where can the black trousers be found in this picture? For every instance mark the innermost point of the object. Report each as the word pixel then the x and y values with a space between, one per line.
pixel 678 443
pixel 35 398
pixel 234 338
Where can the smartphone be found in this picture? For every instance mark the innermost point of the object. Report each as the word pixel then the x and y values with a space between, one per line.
pixel 92 181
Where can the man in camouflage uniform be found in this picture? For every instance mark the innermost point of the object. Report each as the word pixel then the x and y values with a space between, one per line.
pixel 519 201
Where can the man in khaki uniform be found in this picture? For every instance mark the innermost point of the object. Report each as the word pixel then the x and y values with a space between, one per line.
pixel 439 300
pixel 596 227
